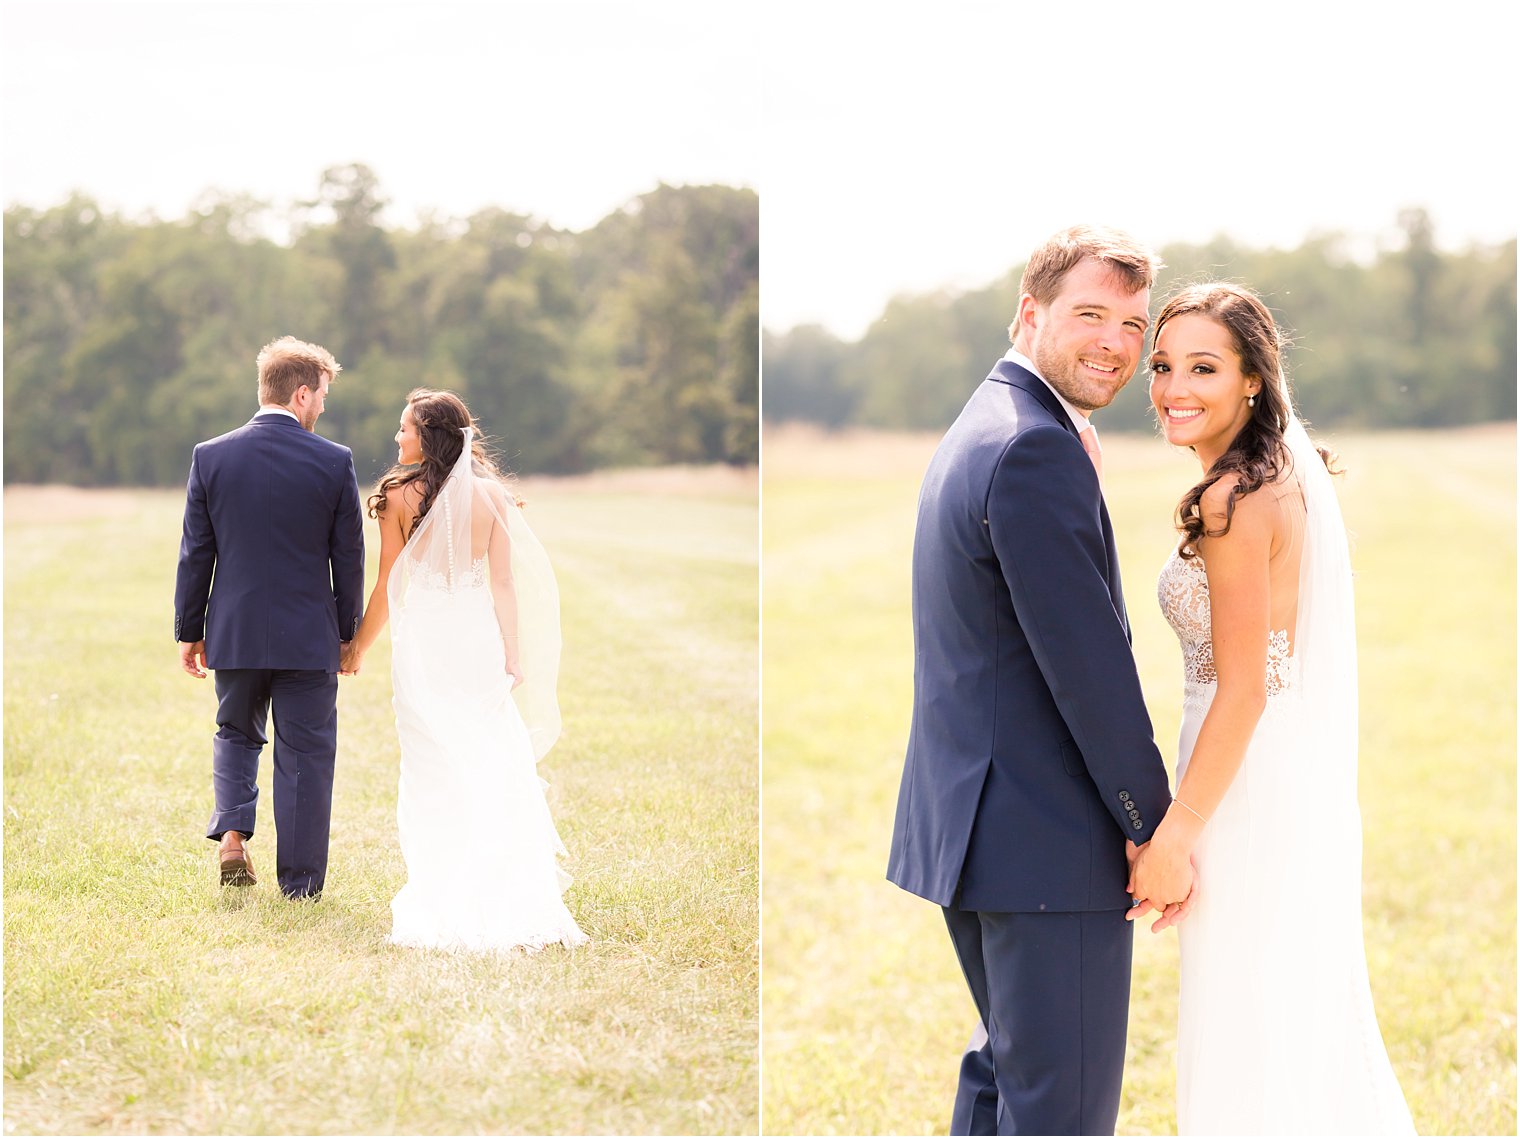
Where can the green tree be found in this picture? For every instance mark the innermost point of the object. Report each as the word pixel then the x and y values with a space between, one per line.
pixel 362 249
pixel 126 342
pixel 1406 337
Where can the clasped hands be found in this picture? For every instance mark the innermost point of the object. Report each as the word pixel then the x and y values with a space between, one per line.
pixel 1161 870
pixel 351 659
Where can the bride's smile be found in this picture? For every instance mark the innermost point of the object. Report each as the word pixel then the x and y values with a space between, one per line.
pixel 408 442
pixel 1198 388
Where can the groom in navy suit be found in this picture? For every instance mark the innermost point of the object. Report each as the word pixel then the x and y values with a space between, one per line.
pixel 1031 759
pixel 271 573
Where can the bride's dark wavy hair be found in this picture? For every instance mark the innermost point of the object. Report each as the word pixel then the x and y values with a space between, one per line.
pixel 441 418
pixel 1259 452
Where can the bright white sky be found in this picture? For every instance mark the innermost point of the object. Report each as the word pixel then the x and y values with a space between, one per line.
pixel 911 147
pixel 563 111
pixel 897 146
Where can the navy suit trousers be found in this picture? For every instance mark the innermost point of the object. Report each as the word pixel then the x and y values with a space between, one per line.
pixel 1052 990
pixel 305 704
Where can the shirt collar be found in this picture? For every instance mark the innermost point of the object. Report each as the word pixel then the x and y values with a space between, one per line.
pixel 1078 417
pixel 264 407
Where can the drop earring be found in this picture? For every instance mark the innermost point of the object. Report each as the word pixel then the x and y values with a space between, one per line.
pixel 1250 401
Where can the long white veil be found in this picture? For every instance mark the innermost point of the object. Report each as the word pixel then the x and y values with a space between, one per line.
pixel 1326 626
pixel 1318 957
pixel 474 537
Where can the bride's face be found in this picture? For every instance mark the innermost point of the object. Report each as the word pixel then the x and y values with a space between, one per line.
pixel 408 442
pixel 1197 386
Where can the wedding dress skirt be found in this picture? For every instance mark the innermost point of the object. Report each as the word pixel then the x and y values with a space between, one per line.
pixel 1276 1029
pixel 481 848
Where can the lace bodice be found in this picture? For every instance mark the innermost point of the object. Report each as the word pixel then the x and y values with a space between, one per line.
pixel 1183 591
pixel 425 577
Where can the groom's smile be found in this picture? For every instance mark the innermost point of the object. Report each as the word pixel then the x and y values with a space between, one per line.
pixel 1087 341
pixel 1103 369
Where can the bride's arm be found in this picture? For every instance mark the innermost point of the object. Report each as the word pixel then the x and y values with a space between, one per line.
pixel 504 594
pixel 1240 600
pixel 377 612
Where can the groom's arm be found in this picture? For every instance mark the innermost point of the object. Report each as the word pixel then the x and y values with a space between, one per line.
pixel 1043 519
pixel 197 561
pixel 345 545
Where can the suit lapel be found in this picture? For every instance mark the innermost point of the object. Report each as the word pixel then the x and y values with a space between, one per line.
pixel 1007 372
pixel 1115 588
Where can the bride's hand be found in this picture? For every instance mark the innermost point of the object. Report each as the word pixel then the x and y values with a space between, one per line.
pixel 1162 873
pixel 1177 912
pixel 514 670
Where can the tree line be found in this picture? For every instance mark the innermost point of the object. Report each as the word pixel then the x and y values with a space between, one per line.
pixel 633 342
pixel 1415 337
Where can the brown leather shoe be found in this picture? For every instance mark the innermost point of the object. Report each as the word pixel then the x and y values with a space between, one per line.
pixel 237 867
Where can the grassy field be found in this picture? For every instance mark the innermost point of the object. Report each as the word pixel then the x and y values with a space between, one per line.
pixel 139 997
pixel 865 1012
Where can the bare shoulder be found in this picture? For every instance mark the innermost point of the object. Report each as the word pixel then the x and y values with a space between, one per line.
pixel 491 490
pixel 1215 500
pixel 1253 517
pixel 403 502
pixel 405 495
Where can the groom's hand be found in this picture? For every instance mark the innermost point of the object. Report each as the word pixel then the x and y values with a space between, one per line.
pixel 192 658
pixel 1139 906
pixel 348 659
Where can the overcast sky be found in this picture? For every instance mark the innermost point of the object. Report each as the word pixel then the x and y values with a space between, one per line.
pixel 896 146
pixel 560 110
pixel 938 149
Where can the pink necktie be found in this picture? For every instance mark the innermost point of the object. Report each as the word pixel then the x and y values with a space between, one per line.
pixel 1089 439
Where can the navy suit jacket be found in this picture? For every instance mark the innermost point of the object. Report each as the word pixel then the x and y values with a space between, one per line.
pixel 271 561
pixel 1031 757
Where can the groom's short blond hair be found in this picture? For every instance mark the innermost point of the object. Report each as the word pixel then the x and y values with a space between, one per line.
pixel 1132 263
pixel 287 364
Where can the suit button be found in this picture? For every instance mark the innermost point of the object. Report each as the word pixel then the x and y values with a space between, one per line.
pixel 1124 796
pixel 1139 826
pixel 1134 814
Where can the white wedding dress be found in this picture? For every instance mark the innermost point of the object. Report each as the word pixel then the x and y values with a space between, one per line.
pixel 1276 1030
pixel 481 848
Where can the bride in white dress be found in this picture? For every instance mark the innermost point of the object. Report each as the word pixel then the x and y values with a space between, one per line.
pixel 1276 1030
pixel 474 613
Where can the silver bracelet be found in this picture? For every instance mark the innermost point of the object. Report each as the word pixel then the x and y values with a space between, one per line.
pixel 1185 807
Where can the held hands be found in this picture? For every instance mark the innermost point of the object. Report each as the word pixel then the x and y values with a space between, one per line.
pixel 1162 869
pixel 1162 872
pixel 192 658
pixel 349 659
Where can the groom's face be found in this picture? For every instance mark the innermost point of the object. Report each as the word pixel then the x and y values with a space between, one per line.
pixel 1087 342
pixel 310 404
